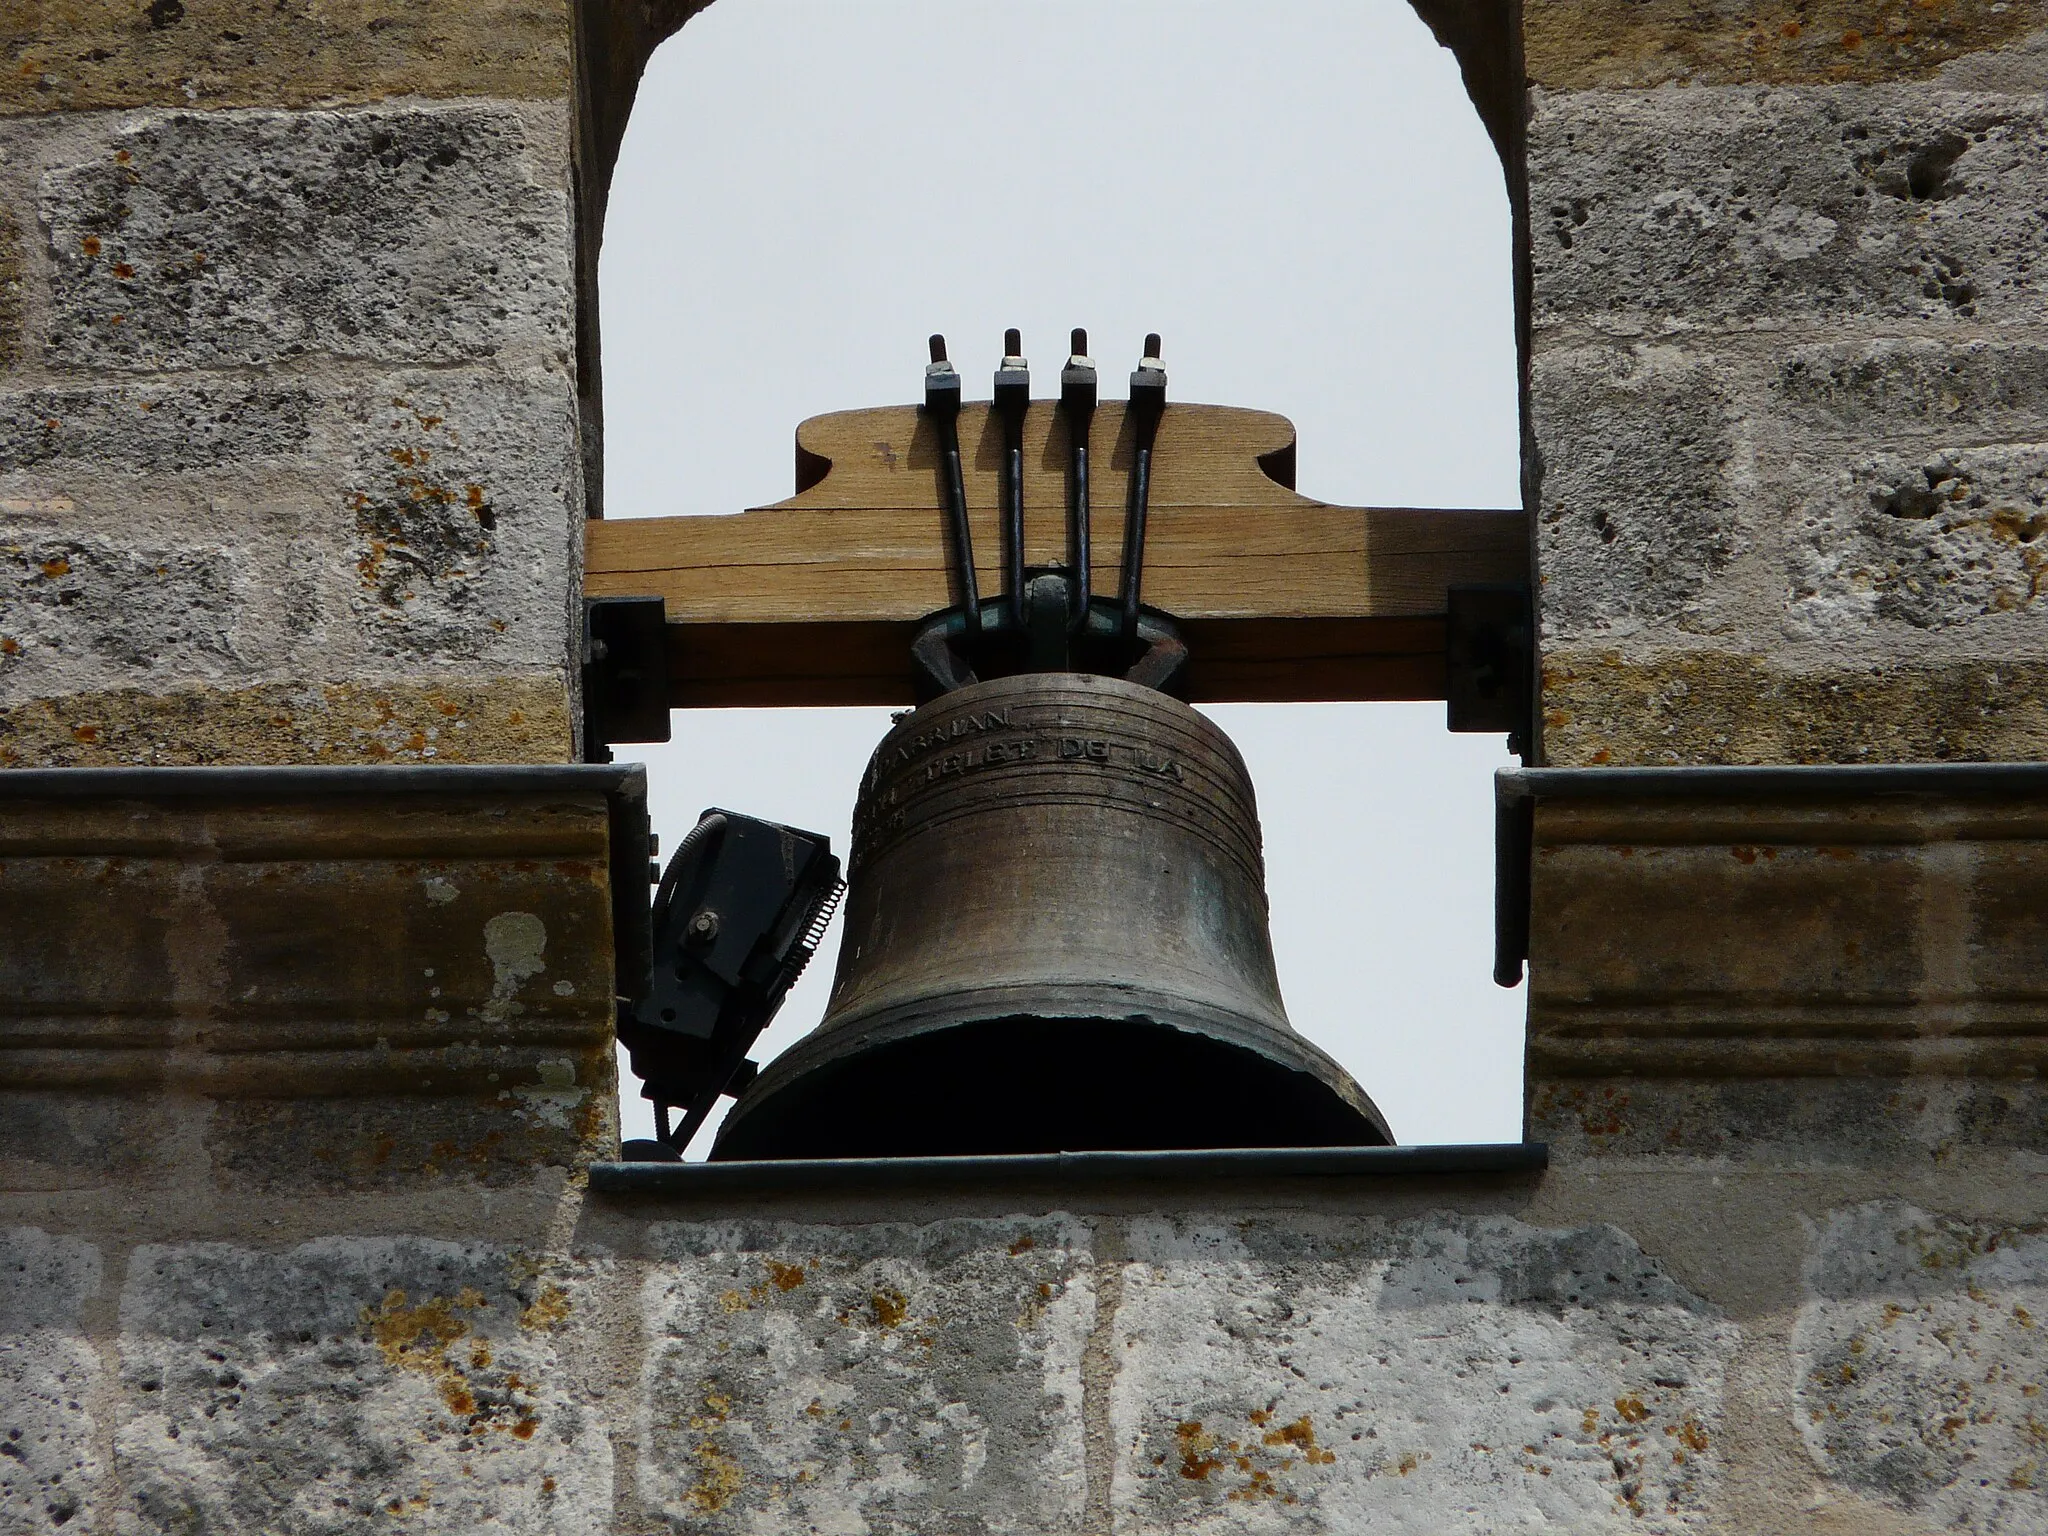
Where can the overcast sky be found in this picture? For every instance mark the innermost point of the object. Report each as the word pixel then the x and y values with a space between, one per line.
pixel 1298 196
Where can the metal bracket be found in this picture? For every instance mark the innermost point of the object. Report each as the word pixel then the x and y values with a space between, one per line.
pixel 625 673
pixel 1489 662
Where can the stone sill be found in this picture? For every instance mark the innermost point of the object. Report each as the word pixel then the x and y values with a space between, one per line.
pixel 1093 1169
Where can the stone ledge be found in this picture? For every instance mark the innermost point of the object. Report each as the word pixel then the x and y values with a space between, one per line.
pixel 355 977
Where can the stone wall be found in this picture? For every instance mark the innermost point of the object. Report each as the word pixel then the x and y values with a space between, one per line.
pixel 290 445
pixel 1650 1350
pixel 1786 374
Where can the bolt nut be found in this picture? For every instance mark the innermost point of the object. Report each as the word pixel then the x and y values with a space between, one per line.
pixel 703 927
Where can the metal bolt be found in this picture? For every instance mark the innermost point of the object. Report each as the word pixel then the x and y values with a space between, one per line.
pixel 703 927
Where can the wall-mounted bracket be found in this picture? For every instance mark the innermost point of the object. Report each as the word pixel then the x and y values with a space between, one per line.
pixel 1489 661
pixel 625 673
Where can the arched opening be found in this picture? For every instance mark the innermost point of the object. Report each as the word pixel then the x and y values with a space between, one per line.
pixel 1300 197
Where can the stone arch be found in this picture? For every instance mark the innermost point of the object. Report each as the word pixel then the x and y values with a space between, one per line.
pixel 616 38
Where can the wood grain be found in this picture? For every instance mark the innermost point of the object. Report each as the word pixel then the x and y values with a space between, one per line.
pixel 813 600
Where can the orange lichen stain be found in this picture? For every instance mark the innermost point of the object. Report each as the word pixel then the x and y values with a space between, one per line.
pixel 85 733
pixel 9 646
pixel 1589 1421
pixel 1631 1409
pixel 1852 39
pixel 473 497
pixel 815 1408
pixel 524 1429
pixel 1195 1443
pixel 1022 1245
pixel 51 424
pixel 2022 1316
pixel 733 1301
pixel 547 1485
pixel 56 566
pixel 1302 1436
pixel 1789 30
pixel 1692 1434
pixel 889 1307
pixel 1744 855
pixel 123 270
pixel 547 1310
pixel 786 1277
pixel 1409 1462
pixel 90 245
pixel 718 1479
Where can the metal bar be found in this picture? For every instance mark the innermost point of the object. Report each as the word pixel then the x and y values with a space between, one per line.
pixel 942 404
pixel 1077 402
pixel 1148 404
pixel 1012 401
pixel 1109 1168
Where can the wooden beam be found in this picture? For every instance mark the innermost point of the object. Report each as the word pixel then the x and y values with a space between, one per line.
pixel 813 600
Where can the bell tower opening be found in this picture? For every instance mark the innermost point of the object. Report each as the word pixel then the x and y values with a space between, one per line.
pixel 1300 198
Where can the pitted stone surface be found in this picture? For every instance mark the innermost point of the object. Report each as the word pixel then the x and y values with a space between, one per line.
pixel 49 1467
pixel 1932 541
pixel 154 427
pixel 464 493
pixel 851 1379
pixel 1678 209
pixel 351 1382
pixel 1442 1374
pixel 64 55
pixel 184 239
pixel 1882 390
pixel 96 606
pixel 1637 511
pixel 1922 1366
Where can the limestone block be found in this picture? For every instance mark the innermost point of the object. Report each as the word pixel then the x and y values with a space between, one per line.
pixel 1830 972
pixel 50 1462
pixel 1931 541
pixel 1911 387
pixel 350 1381
pixel 1602 705
pixel 1578 44
pixel 920 1379
pixel 80 54
pixel 155 427
pixel 1673 210
pixel 185 239
pixel 97 606
pixel 10 288
pixel 1921 1366
pixel 501 719
pixel 465 497
pixel 374 987
pixel 1441 1374
pixel 1637 510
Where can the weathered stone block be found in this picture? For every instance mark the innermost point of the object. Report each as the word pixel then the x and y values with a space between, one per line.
pixel 182 239
pixel 353 1381
pixel 1869 392
pixel 1444 1373
pixel 921 1379
pixel 374 986
pixel 97 605
pixel 80 54
pixel 1675 210
pixel 154 427
pixel 1832 969
pixel 491 719
pixel 1637 510
pixel 1921 1365
pixel 50 1464
pixel 10 288
pixel 465 499
pixel 1937 541
pixel 1670 706
pixel 1580 44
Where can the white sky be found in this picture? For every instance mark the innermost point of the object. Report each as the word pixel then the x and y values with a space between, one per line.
pixel 1298 196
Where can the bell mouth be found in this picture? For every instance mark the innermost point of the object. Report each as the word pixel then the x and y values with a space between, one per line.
pixel 1027 1084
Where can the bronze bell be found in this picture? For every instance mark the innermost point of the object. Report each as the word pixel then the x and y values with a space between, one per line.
pixel 1056 940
